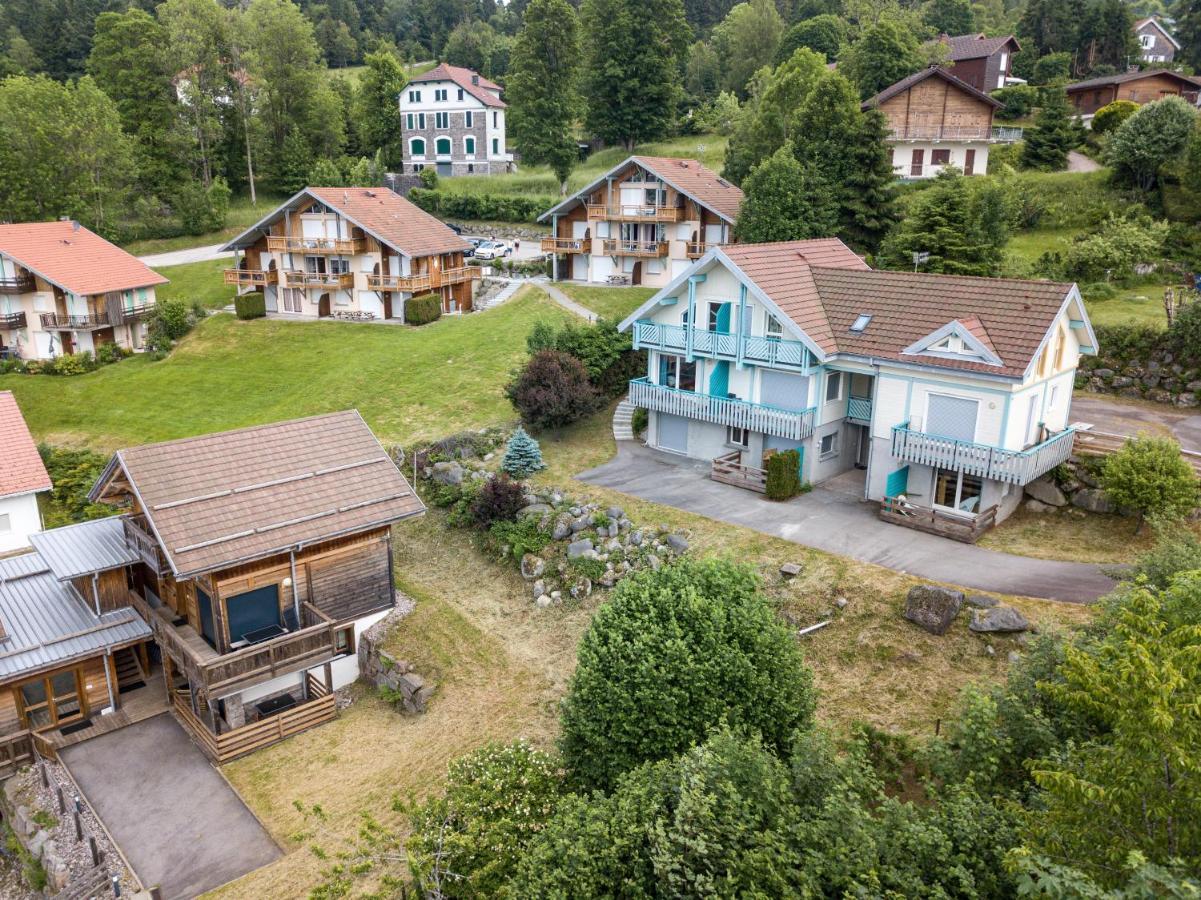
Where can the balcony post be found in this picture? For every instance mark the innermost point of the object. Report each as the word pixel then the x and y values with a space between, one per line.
pixel 693 281
pixel 741 327
pixel 554 257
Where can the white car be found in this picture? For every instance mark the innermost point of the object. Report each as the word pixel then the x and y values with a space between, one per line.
pixel 492 250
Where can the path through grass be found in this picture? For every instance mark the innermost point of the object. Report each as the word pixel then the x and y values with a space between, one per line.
pixel 613 303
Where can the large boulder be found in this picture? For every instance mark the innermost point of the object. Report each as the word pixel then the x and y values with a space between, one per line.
pixel 532 566
pixel 447 473
pixel 580 548
pixel 1044 490
pixel 562 528
pixel 1092 500
pixel 933 608
pixel 998 619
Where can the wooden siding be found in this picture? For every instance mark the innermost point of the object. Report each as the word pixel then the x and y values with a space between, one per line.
pixel 352 583
pixel 112 588
pixel 934 103
pixel 1140 90
pixel 92 685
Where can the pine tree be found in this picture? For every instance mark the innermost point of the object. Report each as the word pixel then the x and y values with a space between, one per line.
pixel 1053 135
pixel 868 199
pixel 523 456
pixel 1188 32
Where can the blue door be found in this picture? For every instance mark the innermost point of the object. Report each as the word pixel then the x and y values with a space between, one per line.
pixel 719 381
pixel 897 483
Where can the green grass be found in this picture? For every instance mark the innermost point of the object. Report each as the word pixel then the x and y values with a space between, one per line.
pixel 197 282
pixel 354 73
pixel 242 214
pixel 409 383
pixel 1025 247
pixel 610 302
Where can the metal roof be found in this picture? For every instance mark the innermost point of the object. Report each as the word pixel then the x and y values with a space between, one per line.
pixel 46 622
pixel 84 549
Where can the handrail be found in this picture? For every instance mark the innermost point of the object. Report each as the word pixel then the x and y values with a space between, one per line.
pixel 1000 134
pixel 787 423
pixel 985 460
pixel 13 320
pixel 564 245
pixel 756 349
pixel 859 408
pixel 277 243
pixel 19 285
pixel 54 320
pixel 619 247
pixel 634 211
pixel 251 276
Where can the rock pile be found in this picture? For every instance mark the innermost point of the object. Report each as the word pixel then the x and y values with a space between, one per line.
pixel 1161 378
pixel 1077 486
pixel 399 682
pixel 933 608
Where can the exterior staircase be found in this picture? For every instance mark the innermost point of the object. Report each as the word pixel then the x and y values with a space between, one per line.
pixel 623 421
pixel 129 668
pixel 493 300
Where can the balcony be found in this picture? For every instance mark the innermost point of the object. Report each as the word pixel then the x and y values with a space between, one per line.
pixel 1013 466
pixel 653 249
pixel 859 409
pixel 277 243
pixel 634 212
pixel 775 353
pixel 147 548
pixel 251 277
pixel 339 281
pixel 786 423
pixel 18 284
pixel 138 311
pixel 423 281
pixel 697 249
pixel 12 320
pixel 956 133
pixel 566 245
pixel 56 322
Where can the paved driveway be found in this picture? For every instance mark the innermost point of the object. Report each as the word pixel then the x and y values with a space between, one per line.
pixel 832 519
pixel 182 257
pixel 1119 415
pixel 178 822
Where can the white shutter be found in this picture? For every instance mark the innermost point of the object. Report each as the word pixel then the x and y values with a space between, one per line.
pixel 784 390
pixel 951 417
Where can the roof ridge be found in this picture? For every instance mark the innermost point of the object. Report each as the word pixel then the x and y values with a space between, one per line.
pixel 988 278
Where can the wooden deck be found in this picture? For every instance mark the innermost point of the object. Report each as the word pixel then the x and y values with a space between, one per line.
pixel 728 469
pixel 133 706
pixel 965 529
pixel 1101 443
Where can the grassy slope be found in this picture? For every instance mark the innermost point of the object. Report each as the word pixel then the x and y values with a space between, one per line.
pixel 610 302
pixel 197 282
pixel 409 383
pixel 242 214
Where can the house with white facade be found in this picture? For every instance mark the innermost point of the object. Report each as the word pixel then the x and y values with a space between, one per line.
pixel 453 119
pixel 65 289
pixel 951 392
pixel 1155 41
pixel 22 477
pixel 642 222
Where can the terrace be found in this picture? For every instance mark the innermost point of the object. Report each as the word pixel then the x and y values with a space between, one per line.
pixel 17 284
pixel 251 277
pixel 652 249
pixel 634 212
pixel 12 320
pixel 565 245
pixel 59 322
pixel 786 423
pixel 343 281
pixel 776 353
pixel 984 460
pixel 994 135
pixel 423 281
pixel 336 246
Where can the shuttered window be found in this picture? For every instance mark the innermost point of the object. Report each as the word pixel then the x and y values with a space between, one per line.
pixel 951 417
pixel 784 390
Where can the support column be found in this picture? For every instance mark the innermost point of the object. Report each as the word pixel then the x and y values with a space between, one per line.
pixel 108 678
pixel 554 256
pixel 741 331
pixel 693 281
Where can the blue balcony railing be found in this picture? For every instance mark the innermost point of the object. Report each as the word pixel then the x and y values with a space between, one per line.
pixel 776 353
pixel 859 409
pixel 786 423
pixel 986 461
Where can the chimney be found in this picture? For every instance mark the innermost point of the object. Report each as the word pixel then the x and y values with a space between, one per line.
pixel 74 225
pixel 475 79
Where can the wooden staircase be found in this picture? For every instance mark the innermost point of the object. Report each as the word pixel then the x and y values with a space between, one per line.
pixel 130 673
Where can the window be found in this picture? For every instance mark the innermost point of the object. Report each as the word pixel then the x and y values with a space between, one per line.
pixel 468 117
pixel 54 700
pixel 940 157
pixel 718 321
pixel 6 523
pixel 833 386
pixel 461 97
pixel 676 372
pixel 442 146
pixel 440 95
pixel 441 120
pixel 829 445
pixel 861 322
pixel 344 640
pixel 421 121
pixel 1147 41
pixel 737 437
pixel 774 327
pixel 951 417
pixel 957 491
pixel 339 266
pixel 414 96
pixel 469 146
pixel 419 167
pixel 496 120
pixel 495 147
pixel 409 121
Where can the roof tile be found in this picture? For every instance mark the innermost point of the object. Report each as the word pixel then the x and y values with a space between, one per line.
pixel 77 260
pixel 392 219
pixel 462 77
pixel 21 468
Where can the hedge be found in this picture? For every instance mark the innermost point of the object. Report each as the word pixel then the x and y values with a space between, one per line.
pixel 783 475
pixel 489 207
pixel 250 306
pixel 423 309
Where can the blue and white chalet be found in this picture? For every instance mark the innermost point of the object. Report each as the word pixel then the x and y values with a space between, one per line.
pixel 954 391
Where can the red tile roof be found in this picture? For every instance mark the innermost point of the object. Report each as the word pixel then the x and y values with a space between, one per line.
pixel 77 260
pixel 21 469
pixel 462 77
pixel 386 215
pixel 702 184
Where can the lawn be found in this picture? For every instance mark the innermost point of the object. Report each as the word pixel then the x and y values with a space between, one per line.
pixel 1070 534
pixel 197 283
pixel 409 383
pixel 613 303
pixel 242 214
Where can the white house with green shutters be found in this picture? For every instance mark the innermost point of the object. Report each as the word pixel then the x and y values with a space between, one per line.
pixel 953 392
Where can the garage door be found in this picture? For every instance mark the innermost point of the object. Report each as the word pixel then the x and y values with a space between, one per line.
pixel 784 390
pixel 673 433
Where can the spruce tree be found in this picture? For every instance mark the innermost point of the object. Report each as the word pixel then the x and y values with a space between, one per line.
pixel 523 456
pixel 1053 135
pixel 868 197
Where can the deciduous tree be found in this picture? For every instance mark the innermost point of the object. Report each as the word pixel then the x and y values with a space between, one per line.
pixel 785 201
pixel 824 34
pixel 1150 139
pixel 376 104
pixel 745 41
pixel 948 16
pixel 883 55
pixel 1149 475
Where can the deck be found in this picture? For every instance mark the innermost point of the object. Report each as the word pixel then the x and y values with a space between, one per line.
pixel 965 529
pixel 133 706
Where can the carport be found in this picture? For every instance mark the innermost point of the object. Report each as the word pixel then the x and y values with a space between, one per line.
pixel 176 819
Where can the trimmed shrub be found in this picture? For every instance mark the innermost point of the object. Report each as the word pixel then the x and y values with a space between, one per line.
pixel 1149 475
pixel 250 306
pixel 1110 117
pixel 490 207
pixel 640 421
pixel 673 654
pixel 783 475
pixel 423 309
pixel 499 500
pixel 552 391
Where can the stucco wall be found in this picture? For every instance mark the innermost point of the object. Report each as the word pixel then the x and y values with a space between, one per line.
pixel 23 519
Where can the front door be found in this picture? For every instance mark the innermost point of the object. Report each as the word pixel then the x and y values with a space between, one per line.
pixel 636 275
pixel 51 701
pixel 323 308
pixel 969 161
pixel 915 167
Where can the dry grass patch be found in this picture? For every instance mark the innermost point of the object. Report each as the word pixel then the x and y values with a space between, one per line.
pixel 1073 535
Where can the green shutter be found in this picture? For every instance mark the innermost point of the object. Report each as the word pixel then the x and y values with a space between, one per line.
pixel 898 482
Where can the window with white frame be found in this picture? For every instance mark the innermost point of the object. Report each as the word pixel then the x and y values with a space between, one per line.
pixel 677 372
pixel 495 147
pixel 442 146
pixel 442 120
pixel 833 386
pixel 417 147
pixel 421 121
pixel 774 328
pixel 414 96
pixel 738 437
pixel 1147 41
pixel 468 118
pixel 440 95
pixel 469 146
pixel 957 491
pixel 828 446
pixel 460 95
pixel 496 120
pixel 410 121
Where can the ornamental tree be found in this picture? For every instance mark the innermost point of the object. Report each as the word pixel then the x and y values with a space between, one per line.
pixel 552 391
pixel 523 456
pixel 1150 476
pixel 1150 139
pixel 673 654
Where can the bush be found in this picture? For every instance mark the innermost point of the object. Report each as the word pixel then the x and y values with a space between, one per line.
pixel 168 321
pixel 469 842
pixel 1018 101
pixel 1111 252
pixel 491 207
pixel 520 537
pixel 72 472
pixel 1149 475
pixel 499 500
pixel 109 353
pixel 640 421
pixel 523 456
pixel 606 353
pixel 200 209
pixel 674 653
pixel 1108 118
pixel 1184 334
pixel 428 178
pixel 71 364
pixel 250 306
pixel 1052 68
pixel 1155 135
pixel 783 475
pixel 423 309
pixel 1098 291
pixel 552 391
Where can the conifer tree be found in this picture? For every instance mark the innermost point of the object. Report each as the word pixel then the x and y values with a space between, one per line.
pixel 868 199
pixel 1053 135
pixel 523 456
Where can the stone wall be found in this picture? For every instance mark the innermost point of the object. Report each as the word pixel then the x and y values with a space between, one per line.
pixel 395 677
pixel 1075 484
pixel 1139 362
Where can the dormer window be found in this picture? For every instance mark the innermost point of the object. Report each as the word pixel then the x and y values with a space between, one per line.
pixel 958 340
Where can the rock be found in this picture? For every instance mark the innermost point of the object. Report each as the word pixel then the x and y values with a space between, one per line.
pixel 562 528
pixel 1014 656
pixel 1103 373
pixel 614 530
pixel 1044 490
pixel 539 587
pixel 988 648
pixel 1037 506
pixel 411 683
pixel 1092 500
pixel 982 601
pixel 22 823
pixel 579 525
pixel 654 562
pixel 489 456
pixel 556 596
pixel 581 588
pixel 1122 381
pixel 535 509
pixel 790 570
pixel 1023 639
pixel 532 566
pixel 613 545
pixel 543 601
pixel 998 619
pixel 608 579
pixel 677 543
pixel 579 548
pixel 447 473
pixel 841 602
pixel 624 525
pixel 1086 477
pixel 933 608
pixel 37 843
pixel 615 513
pixel 636 538
pixel 576 511
pixel 1187 399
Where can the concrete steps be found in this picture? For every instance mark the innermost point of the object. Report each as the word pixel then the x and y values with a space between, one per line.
pixel 623 421
pixel 502 295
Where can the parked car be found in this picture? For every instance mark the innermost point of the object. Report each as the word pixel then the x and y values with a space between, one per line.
pixel 493 250
pixel 474 241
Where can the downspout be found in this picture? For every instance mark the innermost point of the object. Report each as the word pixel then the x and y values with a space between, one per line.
pixel 554 257
pixel 741 326
pixel 295 592
pixel 108 679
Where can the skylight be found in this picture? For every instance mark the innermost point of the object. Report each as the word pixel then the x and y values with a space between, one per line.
pixel 861 323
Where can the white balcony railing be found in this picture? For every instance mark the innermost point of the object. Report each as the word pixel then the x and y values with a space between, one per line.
pixel 776 353
pixel 1012 466
pixel 786 423
pixel 996 135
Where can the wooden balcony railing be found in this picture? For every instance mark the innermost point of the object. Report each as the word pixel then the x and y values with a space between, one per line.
pixel 16 750
pixel 423 281
pixel 12 320
pixel 278 243
pixel 221 748
pixel 697 249
pixel 634 212
pixel 729 469
pixel 966 529
pixel 566 245
pixel 775 353
pixel 341 281
pixel 1012 466
pixel 19 284
pixel 251 277
pixel 56 322
pixel 786 423
pixel 635 248
pixel 137 538
pixel 137 311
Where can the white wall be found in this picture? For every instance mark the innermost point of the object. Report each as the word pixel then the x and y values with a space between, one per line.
pixel 902 157
pixel 23 518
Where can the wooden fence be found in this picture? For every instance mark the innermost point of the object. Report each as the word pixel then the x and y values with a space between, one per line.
pixel 240 741
pixel 1102 443
pixel 16 750
pixel 965 529
pixel 729 470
